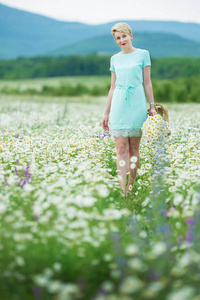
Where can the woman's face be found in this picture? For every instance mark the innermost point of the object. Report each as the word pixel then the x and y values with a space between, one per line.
pixel 123 40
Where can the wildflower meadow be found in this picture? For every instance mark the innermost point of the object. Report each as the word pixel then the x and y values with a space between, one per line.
pixel 66 230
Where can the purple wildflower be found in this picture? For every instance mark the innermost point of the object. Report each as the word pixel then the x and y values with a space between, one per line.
pixel 189 236
pixel 26 171
pixel 28 177
pixel 154 275
pixel 5 179
pixel 190 222
pixel 164 212
pixel 37 292
pixel 36 217
pixel 16 172
pixel 24 182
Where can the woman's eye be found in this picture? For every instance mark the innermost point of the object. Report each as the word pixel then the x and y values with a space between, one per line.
pixel 123 36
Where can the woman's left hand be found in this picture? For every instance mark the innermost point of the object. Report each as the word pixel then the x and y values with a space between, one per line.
pixel 153 111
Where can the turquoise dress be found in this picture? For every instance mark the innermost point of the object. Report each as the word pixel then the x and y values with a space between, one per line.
pixel 128 109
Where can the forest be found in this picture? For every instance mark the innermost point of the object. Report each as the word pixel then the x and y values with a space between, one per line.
pixel 92 64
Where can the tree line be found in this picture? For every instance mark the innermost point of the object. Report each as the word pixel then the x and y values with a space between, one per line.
pixel 92 64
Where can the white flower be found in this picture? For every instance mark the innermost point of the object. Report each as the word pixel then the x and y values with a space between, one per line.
pixel 107 257
pixel 103 190
pixel 133 159
pixel 20 261
pixel 119 177
pixel 178 198
pixel 108 286
pixel 131 284
pixel 131 249
pixel 54 286
pixel 133 165
pixel 140 172
pixel 40 280
pixel 159 248
pixel 183 293
pixel 143 234
pixel 130 187
pixel 122 163
pixel 57 266
pixel 148 166
pixel 2 208
pixel 172 189
pixel 28 187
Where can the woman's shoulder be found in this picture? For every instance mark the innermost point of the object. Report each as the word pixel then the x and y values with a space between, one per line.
pixel 142 50
pixel 115 55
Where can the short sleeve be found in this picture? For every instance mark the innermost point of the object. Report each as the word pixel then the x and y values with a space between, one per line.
pixel 112 68
pixel 146 59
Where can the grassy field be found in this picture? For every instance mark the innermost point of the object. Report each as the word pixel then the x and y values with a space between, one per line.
pixel 178 90
pixel 37 84
pixel 67 232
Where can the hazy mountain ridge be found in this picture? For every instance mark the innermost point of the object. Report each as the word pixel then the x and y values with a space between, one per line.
pixel 159 45
pixel 27 34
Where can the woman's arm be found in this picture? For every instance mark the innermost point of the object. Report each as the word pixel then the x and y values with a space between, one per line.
pixel 110 93
pixel 148 88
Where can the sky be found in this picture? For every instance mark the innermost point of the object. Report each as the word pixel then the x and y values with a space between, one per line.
pixel 96 12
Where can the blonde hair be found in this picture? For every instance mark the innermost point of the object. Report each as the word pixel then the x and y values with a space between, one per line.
pixel 122 27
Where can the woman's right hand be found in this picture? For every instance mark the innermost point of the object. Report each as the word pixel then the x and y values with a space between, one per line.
pixel 105 122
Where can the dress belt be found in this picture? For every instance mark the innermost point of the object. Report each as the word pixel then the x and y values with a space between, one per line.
pixel 128 88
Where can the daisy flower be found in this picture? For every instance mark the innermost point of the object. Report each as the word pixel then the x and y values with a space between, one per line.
pixel 130 187
pixel 148 166
pixel 133 159
pixel 133 165
pixel 122 163
pixel 172 189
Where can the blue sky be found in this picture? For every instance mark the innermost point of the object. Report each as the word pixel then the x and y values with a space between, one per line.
pixel 98 12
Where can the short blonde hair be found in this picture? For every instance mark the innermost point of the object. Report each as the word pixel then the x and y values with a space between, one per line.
pixel 121 27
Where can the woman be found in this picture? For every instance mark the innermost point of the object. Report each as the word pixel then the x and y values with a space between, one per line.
pixel 130 81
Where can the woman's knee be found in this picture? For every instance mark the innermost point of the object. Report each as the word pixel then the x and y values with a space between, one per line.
pixel 122 149
pixel 134 151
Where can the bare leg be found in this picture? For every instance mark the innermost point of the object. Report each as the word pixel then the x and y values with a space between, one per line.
pixel 134 143
pixel 122 154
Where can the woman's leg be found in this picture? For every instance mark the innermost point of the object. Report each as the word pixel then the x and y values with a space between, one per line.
pixel 122 154
pixel 134 143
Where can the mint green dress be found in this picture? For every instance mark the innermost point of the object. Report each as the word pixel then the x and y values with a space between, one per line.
pixel 128 109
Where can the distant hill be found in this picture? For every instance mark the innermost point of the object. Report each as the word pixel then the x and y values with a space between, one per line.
pixel 27 34
pixel 159 45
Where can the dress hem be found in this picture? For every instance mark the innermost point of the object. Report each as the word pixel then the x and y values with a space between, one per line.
pixel 137 132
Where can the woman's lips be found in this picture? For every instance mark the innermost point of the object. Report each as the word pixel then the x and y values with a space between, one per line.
pixel 123 44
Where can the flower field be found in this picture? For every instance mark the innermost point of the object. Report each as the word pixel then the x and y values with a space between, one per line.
pixel 66 230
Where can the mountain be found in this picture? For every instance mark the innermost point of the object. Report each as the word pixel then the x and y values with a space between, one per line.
pixel 159 45
pixel 27 34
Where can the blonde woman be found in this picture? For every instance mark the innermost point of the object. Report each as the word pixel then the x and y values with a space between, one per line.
pixel 126 105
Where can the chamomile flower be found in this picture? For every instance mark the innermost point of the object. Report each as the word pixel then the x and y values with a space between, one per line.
pixel 155 128
pixel 130 187
pixel 133 159
pixel 148 166
pixel 132 166
pixel 122 163
pixel 172 189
